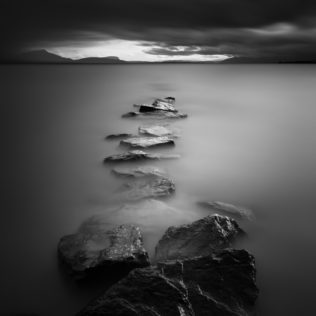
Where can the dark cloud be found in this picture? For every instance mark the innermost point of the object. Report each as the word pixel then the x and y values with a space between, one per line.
pixel 214 25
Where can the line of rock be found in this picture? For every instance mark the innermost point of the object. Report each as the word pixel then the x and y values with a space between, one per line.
pixel 194 270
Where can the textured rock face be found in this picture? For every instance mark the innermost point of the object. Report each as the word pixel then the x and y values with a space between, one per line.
pixel 219 284
pixel 135 155
pixel 200 238
pixel 154 187
pixel 95 249
pixel 155 130
pixel 139 172
pixel 146 142
pixel 230 209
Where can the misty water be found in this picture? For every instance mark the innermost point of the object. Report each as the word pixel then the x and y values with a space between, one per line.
pixel 249 140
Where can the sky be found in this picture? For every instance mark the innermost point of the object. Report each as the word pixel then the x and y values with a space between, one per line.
pixel 156 30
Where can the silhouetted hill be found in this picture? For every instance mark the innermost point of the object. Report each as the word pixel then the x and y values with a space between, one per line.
pixel 45 57
pixel 99 60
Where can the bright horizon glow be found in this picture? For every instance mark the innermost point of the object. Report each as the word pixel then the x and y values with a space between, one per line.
pixel 127 50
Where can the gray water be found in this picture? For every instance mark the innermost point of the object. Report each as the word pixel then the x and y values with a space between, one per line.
pixel 249 140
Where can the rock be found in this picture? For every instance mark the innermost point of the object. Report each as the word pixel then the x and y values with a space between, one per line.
pixel 135 155
pixel 146 142
pixel 171 99
pixel 229 209
pixel 144 292
pixel 155 130
pixel 222 283
pixel 96 250
pixel 156 115
pixel 156 187
pixel 145 171
pixel 157 105
pixel 119 136
pixel 131 114
pixel 199 238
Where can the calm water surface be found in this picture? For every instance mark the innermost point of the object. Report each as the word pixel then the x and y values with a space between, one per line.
pixel 249 140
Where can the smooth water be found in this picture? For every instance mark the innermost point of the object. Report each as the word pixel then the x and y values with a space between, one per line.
pixel 249 139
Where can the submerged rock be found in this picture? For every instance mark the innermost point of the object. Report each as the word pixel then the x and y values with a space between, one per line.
pixel 156 130
pixel 139 172
pixel 146 142
pixel 156 114
pixel 150 215
pixel 119 136
pixel 95 249
pixel 135 155
pixel 229 209
pixel 222 283
pixel 199 238
pixel 156 187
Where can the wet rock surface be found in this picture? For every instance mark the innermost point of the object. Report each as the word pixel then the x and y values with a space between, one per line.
pixel 149 187
pixel 222 283
pixel 135 155
pixel 147 142
pixel 96 249
pixel 229 209
pixel 155 130
pixel 199 238
pixel 145 171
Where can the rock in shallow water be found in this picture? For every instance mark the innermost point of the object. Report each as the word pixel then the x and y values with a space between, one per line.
pixel 229 209
pixel 199 238
pixel 139 172
pixel 156 115
pixel 95 249
pixel 153 187
pixel 222 283
pixel 146 142
pixel 119 136
pixel 135 155
pixel 158 105
pixel 155 130
pixel 151 215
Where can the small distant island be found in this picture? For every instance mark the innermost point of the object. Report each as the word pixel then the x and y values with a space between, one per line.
pixel 45 57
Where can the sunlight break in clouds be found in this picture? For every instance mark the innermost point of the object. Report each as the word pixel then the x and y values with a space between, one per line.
pixel 125 50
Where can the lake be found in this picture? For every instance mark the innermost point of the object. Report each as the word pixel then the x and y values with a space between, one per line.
pixel 250 139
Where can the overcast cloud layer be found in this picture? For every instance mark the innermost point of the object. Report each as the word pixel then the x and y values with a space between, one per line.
pixel 272 29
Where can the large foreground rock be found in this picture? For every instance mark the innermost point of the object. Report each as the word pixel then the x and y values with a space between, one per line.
pixel 149 187
pixel 229 209
pixel 222 283
pixel 147 142
pixel 155 130
pixel 145 171
pixel 135 155
pixel 199 238
pixel 156 115
pixel 95 249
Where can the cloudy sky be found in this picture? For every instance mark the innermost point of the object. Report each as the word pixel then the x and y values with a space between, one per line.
pixel 155 30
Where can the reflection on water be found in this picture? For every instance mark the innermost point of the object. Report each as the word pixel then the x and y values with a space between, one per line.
pixel 249 140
